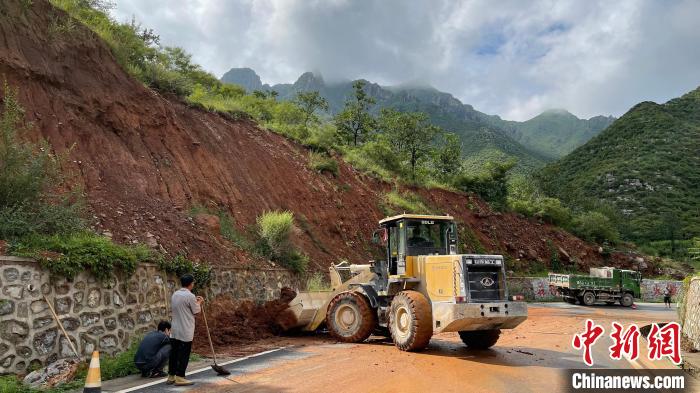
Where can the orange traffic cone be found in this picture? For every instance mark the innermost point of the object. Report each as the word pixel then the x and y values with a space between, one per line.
pixel 93 381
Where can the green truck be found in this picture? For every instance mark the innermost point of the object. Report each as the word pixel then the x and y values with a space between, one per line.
pixel 604 284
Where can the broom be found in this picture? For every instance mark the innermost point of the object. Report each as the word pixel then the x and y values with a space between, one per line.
pixel 219 370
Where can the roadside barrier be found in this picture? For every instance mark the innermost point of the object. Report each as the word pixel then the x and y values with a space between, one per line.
pixel 93 381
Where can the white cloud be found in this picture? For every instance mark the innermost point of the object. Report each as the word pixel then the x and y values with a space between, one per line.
pixel 512 58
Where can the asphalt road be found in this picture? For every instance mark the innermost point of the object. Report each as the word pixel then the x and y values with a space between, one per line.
pixel 530 358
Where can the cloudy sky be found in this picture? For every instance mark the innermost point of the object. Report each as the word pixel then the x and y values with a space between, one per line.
pixel 511 58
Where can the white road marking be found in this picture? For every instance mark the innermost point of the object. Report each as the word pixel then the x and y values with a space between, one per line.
pixel 202 369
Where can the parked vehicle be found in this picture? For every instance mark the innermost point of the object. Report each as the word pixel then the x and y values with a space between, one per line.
pixel 605 284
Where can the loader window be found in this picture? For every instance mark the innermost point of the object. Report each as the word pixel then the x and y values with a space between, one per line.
pixel 425 237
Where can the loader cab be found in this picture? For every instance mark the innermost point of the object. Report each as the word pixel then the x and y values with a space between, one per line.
pixel 411 235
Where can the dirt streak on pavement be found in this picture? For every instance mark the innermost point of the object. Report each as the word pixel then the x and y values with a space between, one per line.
pixel 527 359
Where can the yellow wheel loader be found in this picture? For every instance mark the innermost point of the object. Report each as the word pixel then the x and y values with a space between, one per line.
pixel 424 286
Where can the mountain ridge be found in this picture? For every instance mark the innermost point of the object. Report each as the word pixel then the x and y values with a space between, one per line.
pixel 646 164
pixel 482 134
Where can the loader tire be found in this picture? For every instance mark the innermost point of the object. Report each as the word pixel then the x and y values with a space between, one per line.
pixel 410 321
pixel 480 339
pixel 350 318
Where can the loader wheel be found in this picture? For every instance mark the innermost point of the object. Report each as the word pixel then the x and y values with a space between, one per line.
pixel 350 318
pixel 627 300
pixel 410 321
pixel 480 339
pixel 589 298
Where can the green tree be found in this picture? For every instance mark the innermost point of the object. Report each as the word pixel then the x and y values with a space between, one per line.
pixel 491 185
pixel 447 157
pixel 410 133
pixel 266 94
pixel 310 102
pixel 595 226
pixel 355 122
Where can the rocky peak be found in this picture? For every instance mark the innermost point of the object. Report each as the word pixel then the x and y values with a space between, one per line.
pixel 309 81
pixel 245 77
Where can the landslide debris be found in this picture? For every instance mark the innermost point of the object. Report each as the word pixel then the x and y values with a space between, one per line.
pixel 238 322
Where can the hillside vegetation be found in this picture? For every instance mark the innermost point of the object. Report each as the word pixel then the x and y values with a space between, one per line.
pixel 485 138
pixel 555 133
pixel 646 165
pixel 183 168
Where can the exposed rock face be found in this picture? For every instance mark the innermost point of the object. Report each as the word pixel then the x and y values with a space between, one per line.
pixel 245 77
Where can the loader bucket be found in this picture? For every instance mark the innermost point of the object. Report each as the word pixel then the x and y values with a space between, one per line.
pixel 304 309
pixel 307 310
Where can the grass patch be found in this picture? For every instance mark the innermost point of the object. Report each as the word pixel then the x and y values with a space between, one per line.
pixel 322 163
pixel 227 226
pixel 396 203
pixel 275 229
pixel 180 265
pixel 68 255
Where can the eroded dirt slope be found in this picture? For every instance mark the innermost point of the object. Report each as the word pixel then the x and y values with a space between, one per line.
pixel 143 160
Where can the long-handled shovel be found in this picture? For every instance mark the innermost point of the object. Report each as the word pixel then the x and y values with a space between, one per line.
pixel 31 288
pixel 219 370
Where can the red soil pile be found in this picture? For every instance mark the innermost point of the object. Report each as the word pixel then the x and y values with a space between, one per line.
pixel 237 322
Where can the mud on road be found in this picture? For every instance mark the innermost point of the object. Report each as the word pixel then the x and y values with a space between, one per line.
pixel 529 358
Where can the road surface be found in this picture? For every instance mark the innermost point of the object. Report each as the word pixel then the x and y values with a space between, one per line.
pixel 530 358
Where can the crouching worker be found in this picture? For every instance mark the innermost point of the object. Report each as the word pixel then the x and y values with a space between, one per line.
pixel 154 352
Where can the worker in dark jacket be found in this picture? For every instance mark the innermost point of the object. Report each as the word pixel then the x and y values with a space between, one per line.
pixel 154 352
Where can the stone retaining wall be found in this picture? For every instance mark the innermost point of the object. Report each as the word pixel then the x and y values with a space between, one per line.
pixel 691 314
pixel 98 316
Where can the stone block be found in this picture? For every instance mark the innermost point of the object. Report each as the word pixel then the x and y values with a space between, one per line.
pixel 23 351
pixel 88 319
pixel 110 323
pixel 22 310
pixel 7 307
pixel 7 361
pixel 62 288
pixel 14 331
pixel 78 296
pixel 93 298
pixel 143 317
pixel 62 305
pixel 11 274
pixel 38 306
pixel 42 322
pixel 70 323
pixel 13 291
pixel 45 342
pixel 108 342
pixel 126 322
pixel 88 344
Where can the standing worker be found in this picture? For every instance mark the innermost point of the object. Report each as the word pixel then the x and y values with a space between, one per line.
pixel 667 296
pixel 185 305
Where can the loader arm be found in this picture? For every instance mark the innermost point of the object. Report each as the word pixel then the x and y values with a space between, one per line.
pixel 309 308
